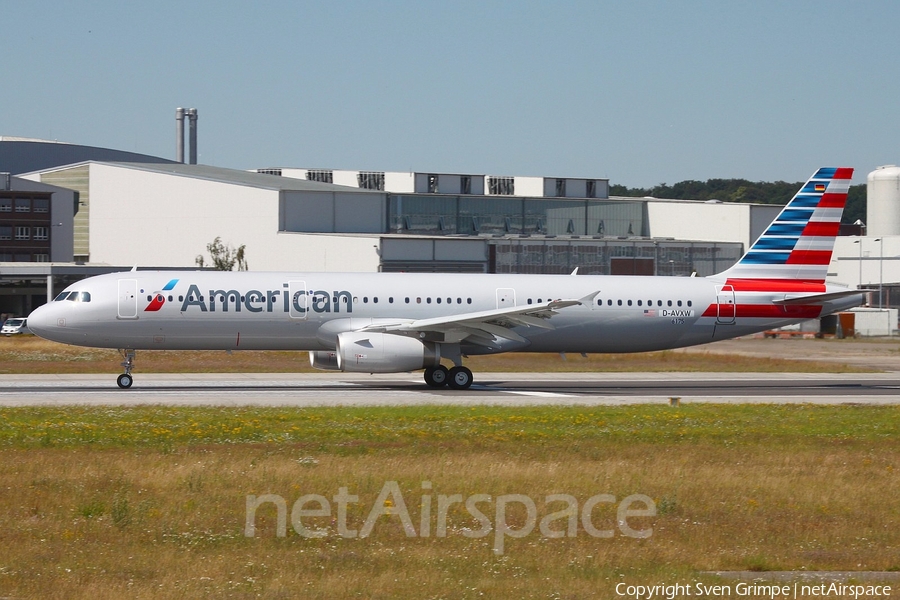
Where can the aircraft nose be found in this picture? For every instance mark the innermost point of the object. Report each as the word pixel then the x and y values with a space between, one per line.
pixel 42 321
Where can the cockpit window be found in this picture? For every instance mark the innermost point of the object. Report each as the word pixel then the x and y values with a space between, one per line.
pixel 74 297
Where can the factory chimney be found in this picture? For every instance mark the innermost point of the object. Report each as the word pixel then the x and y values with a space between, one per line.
pixel 179 135
pixel 191 114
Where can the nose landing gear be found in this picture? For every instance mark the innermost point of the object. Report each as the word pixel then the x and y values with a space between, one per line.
pixel 125 380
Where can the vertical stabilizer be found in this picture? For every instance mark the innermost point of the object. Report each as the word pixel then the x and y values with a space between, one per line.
pixel 797 246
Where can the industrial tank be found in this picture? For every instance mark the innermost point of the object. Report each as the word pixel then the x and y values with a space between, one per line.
pixel 883 201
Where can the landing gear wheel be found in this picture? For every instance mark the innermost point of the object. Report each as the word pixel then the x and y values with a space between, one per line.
pixel 125 380
pixel 460 378
pixel 436 376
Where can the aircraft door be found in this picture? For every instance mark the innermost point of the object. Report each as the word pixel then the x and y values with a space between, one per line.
pixel 298 299
pixel 128 299
pixel 506 297
pixel 726 305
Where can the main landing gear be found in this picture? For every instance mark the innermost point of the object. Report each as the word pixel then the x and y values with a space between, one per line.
pixel 125 379
pixel 458 378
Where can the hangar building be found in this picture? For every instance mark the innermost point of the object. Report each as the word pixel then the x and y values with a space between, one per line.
pixel 165 214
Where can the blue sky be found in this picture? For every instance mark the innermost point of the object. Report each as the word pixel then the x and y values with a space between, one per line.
pixel 639 92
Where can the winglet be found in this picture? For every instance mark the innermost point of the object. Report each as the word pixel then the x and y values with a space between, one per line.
pixel 575 272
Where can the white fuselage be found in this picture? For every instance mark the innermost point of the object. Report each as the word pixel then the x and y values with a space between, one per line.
pixel 205 310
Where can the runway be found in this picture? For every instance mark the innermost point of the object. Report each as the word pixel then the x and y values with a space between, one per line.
pixel 505 389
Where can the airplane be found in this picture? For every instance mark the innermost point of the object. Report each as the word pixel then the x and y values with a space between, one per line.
pixel 400 322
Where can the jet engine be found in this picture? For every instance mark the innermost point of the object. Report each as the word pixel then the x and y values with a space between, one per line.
pixel 325 360
pixel 361 352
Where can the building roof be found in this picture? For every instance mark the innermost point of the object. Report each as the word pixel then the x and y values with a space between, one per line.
pixel 234 176
pixel 25 155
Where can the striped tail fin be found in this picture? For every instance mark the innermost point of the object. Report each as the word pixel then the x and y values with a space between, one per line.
pixel 798 244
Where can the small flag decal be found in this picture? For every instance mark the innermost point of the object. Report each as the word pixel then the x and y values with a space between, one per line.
pixel 820 187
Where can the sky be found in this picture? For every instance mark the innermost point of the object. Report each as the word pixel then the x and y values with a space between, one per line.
pixel 638 92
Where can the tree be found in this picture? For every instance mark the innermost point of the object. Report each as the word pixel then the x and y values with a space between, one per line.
pixel 223 256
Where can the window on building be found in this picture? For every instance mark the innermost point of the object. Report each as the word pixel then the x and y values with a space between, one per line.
pixel 23 233
pixel 5 232
pixel 21 258
pixel 41 258
pixel 23 204
pixel 501 186
pixel 5 204
pixel 465 185
pixel 371 181
pixel 323 175
pixel 41 233
pixel 432 184
pixel 41 205
pixel 269 171
pixel 561 188
pixel 591 191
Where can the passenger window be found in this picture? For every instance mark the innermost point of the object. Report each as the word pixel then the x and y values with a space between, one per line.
pixel 170 298
pixel 459 300
pixel 438 299
pixel 529 301
pixel 375 300
pixel 418 300
pixel 620 303
pixel 181 298
pixel 690 303
pixel 468 301
pixel 407 299
pixel 609 302
pixel 659 302
pixel 391 300
pixel 149 297
pixel 365 299
pixel 428 299
pixel 679 303
pixel 669 303
pixel 640 303
pixel 629 303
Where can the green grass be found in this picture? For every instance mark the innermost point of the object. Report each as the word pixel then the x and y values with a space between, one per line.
pixel 431 427
pixel 150 502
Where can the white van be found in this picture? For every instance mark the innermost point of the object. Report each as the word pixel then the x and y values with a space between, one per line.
pixel 14 326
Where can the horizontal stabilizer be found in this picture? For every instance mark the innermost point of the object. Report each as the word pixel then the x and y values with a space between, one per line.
pixel 821 298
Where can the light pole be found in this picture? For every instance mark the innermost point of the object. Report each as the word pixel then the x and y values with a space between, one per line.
pixel 859 241
pixel 880 269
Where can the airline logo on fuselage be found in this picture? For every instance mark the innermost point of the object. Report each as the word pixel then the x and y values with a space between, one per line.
pixel 258 301
pixel 159 299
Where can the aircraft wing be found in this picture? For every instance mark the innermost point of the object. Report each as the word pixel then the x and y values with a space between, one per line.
pixel 482 327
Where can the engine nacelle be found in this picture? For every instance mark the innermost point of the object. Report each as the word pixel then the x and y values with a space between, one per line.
pixel 360 352
pixel 325 360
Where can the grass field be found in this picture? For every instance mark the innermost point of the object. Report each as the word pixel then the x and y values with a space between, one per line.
pixel 31 355
pixel 151 502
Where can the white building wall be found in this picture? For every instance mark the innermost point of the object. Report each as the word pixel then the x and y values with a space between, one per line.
pixel 529 186
pixel 399 183
pixel 349 178
pixel 146 218
pixel 699 221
